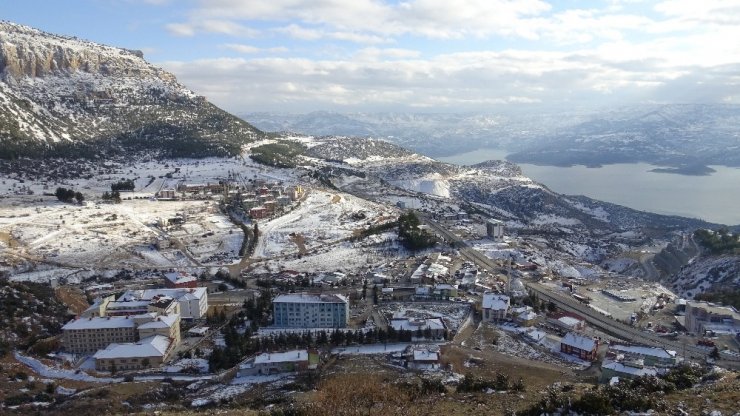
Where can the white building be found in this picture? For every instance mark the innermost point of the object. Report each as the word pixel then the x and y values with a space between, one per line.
pixel 303 310
pixel 495 307
pixel 148 352
pixel 193 302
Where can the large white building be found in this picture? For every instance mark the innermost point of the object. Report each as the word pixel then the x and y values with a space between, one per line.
pixel 303 310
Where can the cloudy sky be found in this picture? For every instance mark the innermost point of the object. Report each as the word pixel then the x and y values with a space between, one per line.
pixel 419 55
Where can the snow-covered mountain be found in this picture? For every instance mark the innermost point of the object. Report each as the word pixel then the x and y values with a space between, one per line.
pixel 686 136
pixel 63 95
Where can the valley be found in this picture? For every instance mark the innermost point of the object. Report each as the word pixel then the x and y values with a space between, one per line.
pixel 159 255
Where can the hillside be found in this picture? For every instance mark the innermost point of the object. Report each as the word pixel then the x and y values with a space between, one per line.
pixel 65 96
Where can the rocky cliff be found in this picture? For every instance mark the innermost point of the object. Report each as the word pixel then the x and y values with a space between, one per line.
pixel 63 95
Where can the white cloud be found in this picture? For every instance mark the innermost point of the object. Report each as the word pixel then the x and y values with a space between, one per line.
pixel 221 26
pixel 249 49
pixel 619 51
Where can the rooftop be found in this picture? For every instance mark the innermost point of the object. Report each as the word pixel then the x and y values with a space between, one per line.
pixel 579 341
pixel 425 355
pixel 407 324
pixel 282 357
pixel 100 323
pixel 149 294
pixel 310 298
pixel 163 321
pixel 155 346
pixel 495 301
pixel 628 369
pixel 644 351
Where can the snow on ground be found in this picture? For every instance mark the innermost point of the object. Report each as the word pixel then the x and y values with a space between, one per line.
pixel 345 256
pixel 453 314
pixel 119 235
pixel 239 385
pixel 322 218
pixel 199 365
pixel 434 185
pixel 58 373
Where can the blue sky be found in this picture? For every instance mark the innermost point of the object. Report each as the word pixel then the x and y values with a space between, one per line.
pixel 419 55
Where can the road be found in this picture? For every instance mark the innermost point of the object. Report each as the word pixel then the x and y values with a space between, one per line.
pixel 566 303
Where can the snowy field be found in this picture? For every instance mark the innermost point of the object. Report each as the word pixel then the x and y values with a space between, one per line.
pixel 321 219
pixel 37 231
pixel 118 235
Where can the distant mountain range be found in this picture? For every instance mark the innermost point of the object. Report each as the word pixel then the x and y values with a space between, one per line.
pixel 683 136
pixel 65 96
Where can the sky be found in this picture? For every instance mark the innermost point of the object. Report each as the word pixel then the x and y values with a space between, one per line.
pixel 300 56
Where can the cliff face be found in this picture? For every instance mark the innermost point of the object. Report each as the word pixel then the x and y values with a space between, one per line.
pixel 59 92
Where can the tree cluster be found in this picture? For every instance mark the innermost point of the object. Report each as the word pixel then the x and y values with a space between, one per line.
pixel 123 185
pixel 69 195
pixel 114 197
pixel 720 242
pixel 410 235
pixel 281 155
pixel 730 297
pixel 473 384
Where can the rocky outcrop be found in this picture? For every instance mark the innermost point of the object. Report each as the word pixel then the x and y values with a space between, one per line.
pixel 59 92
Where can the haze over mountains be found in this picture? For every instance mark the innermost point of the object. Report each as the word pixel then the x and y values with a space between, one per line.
pixel 686 136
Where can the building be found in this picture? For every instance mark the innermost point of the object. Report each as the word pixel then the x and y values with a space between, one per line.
pixel 166 194
pixel 273 363
pixel 650 356
pixel 174 280
pixel 258 213
pixel 495 229
pixel 87 335
pixel 419 327
pixel 421 358
pixel 192 302
pixel 624 370
pixel 495 307
pixel 303 310
pixel 148 352
pixel 524 316
pixel 577 345
pixel 704 316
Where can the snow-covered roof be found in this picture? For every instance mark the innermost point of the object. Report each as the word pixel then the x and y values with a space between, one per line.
pixel 495 301
pixel 527 316
pixel 579 341
pixel 282 357
pixel 407 324
pixel 180 277
pixel 644 351
pixel 425 355
pixel 100 323
pixel 628 369
pixel 310 298
pixel 163 321
pixel 148 294
pixel 155 346
pixel 569 321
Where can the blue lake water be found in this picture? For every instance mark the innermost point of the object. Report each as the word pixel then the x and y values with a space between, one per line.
pixel 715 197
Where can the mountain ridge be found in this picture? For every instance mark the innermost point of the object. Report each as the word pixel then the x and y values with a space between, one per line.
pixel 65 96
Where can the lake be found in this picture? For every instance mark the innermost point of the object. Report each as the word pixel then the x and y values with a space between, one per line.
pixel 714 198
